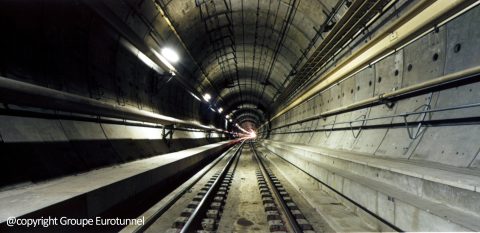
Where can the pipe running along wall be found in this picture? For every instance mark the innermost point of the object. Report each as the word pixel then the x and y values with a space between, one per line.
pixel 80 94
pixel 399 136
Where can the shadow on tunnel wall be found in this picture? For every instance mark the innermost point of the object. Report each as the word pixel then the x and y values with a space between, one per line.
pixel 83 55
pixel 78 207
pixel 37 161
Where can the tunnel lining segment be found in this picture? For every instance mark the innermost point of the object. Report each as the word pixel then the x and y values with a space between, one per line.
pixel 470 74
pixel 407 27
pixel 37 96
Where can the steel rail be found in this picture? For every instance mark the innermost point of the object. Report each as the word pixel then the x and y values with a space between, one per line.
pixel 158 213
pixel 198 212
pixel 288 214
pixel 382 220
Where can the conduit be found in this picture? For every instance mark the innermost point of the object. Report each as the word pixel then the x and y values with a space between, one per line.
pixel 26 94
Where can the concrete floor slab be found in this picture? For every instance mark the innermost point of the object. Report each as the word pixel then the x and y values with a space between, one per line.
pixel 24 200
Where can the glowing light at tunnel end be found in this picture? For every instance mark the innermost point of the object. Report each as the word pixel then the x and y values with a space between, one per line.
pixel 246 134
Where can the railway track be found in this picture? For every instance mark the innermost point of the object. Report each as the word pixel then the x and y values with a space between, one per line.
pixel 237 192
pixel 249 189
pixel 282 212
pixel 204 212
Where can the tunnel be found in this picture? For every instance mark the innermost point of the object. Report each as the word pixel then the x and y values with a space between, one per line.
pixel 239 116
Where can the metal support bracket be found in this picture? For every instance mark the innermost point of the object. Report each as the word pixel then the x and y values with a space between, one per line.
pixel 167 134
pixel 208 135
pixel 386 101
pixel 414 133
pixel 364 116
pixel 269 128
pixel 328 132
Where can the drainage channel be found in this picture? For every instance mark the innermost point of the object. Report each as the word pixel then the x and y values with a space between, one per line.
pixel 283 215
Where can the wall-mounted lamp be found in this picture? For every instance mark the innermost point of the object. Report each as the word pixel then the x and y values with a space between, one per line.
pixel 207 97
pixel 170 55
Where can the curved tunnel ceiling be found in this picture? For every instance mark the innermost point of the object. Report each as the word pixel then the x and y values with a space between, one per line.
pixel 245 49
pixel 254 112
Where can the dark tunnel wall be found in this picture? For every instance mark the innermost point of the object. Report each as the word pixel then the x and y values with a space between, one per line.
pixel 65 45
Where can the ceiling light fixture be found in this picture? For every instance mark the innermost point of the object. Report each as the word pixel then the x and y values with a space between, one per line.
pixel 170 55
pixel 195 96
pixel 220 110
pixel 207 97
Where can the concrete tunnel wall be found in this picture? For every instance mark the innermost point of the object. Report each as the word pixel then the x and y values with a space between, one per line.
pixel 38 149
pixel 417 184
pixel 83 55
pixel 426 183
